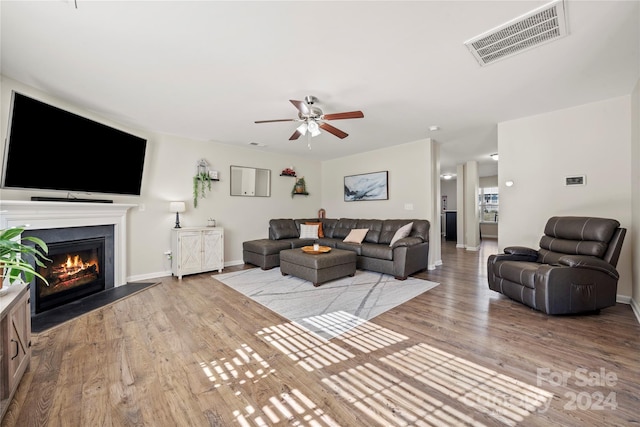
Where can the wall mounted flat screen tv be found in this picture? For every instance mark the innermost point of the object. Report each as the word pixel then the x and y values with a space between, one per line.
pixel 48 148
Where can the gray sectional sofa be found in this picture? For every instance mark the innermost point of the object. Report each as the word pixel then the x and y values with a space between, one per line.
pixel 406 256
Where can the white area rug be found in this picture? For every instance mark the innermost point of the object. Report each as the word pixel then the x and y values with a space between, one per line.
pixel 331 308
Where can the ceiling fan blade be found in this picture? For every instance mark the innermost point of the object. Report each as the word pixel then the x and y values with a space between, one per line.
pixel 337 132
pixel 301 106
pixel 277 120
pixel 347 115
pixel 295 135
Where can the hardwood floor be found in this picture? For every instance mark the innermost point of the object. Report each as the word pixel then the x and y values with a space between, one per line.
pixel 196 353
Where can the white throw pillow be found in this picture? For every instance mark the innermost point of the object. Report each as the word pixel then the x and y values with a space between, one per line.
pixel 402 232
pixel 308 231
pixel 356 235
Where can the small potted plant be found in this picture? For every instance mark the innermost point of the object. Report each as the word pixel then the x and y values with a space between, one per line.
pixel 15 256
pixel 201 182
pixel 300 187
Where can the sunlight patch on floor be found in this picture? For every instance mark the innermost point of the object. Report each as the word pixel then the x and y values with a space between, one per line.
pixel 363 335
pixel 292 408
pixel 246 365
pixel 387 400
pixel 501 397
pixel 307 349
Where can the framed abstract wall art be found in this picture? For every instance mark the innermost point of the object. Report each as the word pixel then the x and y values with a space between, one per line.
pixel 366 186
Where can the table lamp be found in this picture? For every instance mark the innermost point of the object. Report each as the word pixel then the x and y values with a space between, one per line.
pixel 177 207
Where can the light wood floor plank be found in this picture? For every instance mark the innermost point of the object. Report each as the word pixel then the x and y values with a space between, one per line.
pixel 193 352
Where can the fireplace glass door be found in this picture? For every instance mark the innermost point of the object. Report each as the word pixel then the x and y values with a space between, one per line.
pixel 76 271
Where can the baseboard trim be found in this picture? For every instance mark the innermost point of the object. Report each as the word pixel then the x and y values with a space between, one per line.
pixel 160 274
pixel 636 309
pixel 623 299
pixel 142 277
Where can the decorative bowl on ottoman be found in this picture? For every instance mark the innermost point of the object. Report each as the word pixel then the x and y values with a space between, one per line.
pixel 314 251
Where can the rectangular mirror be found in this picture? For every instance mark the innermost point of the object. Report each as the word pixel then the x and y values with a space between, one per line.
pixel 252 182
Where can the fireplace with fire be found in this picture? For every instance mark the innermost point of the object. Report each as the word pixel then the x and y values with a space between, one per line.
pixel 75 272
pixel 82 265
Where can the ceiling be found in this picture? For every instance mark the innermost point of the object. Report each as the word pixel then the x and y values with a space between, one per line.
pixel 207 70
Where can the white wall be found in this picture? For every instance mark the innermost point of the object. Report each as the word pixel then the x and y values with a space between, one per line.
pixel 448 188
pixel 169 167
pixel 634 233
pixel 538 152
pixel 410 183
pixel 171 163
pixel 172 166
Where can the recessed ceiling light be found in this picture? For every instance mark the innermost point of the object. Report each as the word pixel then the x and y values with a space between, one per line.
pixel 447 176
pixel 434 128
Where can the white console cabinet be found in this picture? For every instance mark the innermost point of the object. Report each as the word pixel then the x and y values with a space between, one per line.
pixel 196 250
pixel 15 340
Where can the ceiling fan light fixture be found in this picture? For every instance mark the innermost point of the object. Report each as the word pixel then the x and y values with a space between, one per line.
pixel 313 128
pixel 302 129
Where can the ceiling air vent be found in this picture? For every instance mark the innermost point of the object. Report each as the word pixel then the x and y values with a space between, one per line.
pixel 542 25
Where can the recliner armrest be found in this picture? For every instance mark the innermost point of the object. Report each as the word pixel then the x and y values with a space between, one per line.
pixel 514 253
pixel 593 263
pixel 521 251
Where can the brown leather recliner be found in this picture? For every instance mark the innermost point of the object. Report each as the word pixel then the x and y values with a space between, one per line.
pixel 572 272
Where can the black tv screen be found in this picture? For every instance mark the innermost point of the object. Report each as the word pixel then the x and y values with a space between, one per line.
pixel 48 148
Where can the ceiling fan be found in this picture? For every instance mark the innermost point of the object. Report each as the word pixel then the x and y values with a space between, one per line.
pixel 313 119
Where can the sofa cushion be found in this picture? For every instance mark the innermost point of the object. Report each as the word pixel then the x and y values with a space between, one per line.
pixel 266 246
pixel 522 272
pixel 309 231
pixel 402 232
pixel 356 235
pixel 319 224
pixel 283 229
pixel 328 225
pixel 375 250
pixel 573 247
pixel 578 235
pixel 374 226
pixel 581 228
pixel 355 247
pixel 343 227
pixel 389 229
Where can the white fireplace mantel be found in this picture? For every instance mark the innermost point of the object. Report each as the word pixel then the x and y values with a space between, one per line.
pixel 34 215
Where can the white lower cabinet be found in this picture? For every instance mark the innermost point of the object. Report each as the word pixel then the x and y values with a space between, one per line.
pixel 196 250
pixel 15 341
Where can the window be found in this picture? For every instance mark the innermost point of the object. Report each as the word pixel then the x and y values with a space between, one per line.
pixel 488 204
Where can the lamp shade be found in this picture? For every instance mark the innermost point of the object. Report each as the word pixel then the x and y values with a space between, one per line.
pixel 177 207
pixel 313 128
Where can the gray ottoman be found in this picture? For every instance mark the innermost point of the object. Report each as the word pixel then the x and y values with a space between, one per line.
pixel 318 268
